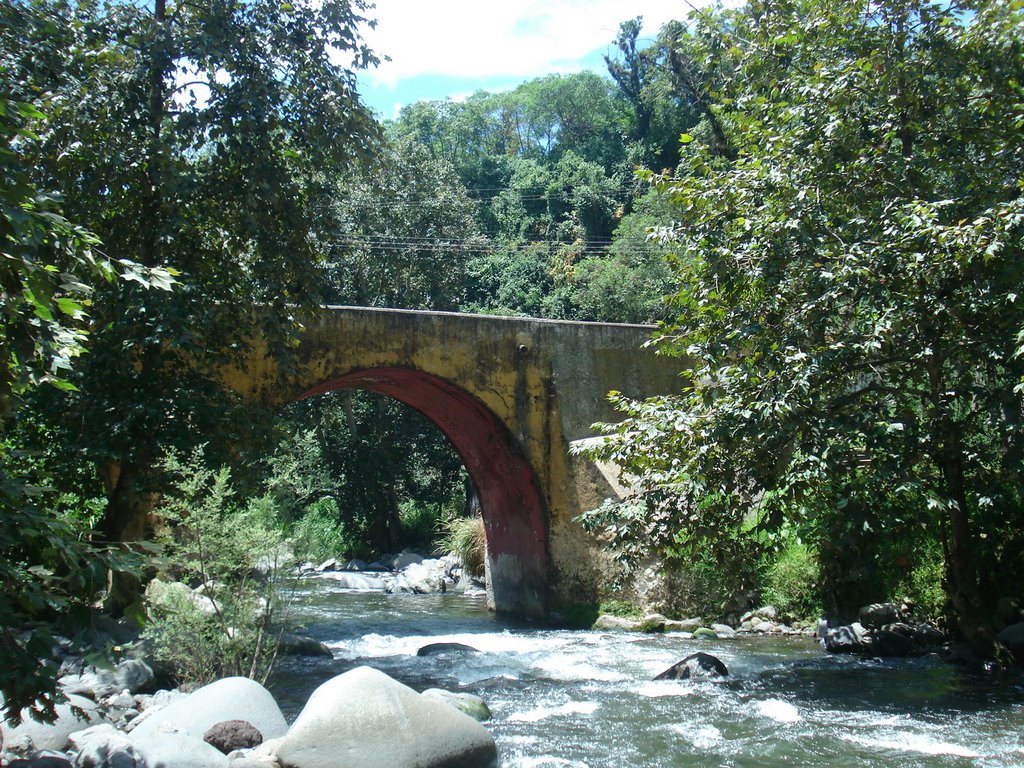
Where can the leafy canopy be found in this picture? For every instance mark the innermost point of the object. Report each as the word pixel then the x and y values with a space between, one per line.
pixel 848 305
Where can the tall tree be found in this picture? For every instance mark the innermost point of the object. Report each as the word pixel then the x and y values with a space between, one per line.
pixel 632 73
pixel 205 138
pixel 48 266
pixel 405 236
pixel 849 305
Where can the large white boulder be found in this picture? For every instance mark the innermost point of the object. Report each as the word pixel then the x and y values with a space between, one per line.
pixel 365 719
pixel 233 698
pixel 422 578
pixel 174 748
pixel 54 735
pixel 103 746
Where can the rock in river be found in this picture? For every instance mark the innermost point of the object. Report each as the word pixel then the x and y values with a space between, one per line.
pixel 696 665
pixel 436 649
pixel 365 719
pixel 232 698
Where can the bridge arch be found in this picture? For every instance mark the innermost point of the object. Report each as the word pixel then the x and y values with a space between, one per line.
pixel 512 502
pixel 512 395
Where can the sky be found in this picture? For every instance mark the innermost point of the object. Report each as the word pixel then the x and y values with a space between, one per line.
pixel 452 48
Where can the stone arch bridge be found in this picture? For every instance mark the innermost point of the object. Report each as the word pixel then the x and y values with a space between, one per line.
pixel 511 395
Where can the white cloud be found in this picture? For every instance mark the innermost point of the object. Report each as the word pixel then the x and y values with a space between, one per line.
pixel 526 38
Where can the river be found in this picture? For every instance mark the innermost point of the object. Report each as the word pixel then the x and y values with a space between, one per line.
pixel 585 699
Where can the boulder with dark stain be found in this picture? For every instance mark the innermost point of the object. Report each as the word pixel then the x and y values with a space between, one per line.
pixel 695 666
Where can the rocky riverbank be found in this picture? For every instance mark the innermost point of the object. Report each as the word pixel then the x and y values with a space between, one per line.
pixel 762 621
pixel 406 572
pixel 116 718
pixel 362 717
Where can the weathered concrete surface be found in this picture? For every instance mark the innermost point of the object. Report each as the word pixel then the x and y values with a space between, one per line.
pixel 510 394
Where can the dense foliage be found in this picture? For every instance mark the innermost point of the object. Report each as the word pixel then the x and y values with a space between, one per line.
pixel 205 138
pixel 838 236
pixel 851 217
pixel 140 143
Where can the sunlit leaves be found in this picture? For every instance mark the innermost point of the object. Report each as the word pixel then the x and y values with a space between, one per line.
pixel 846 302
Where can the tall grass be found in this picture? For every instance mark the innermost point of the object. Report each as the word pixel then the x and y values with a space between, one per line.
pixel 464 538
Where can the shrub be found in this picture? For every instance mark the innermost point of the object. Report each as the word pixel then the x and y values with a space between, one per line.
pixel 464 538
pixel 418 521
pixel 791 582
pixel 224 549
pixel 319 534
pixel 707 584
pixel 922 586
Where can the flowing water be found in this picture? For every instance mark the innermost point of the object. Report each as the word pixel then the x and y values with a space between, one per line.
pixel 584 699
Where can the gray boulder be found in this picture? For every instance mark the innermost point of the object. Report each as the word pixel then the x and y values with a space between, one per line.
pixel 132 675
pixel 888 642
pixel 765 613
pixel 233 698
pixel 652 623
pixel 44 736
pixel 851 638
pixel 682 625
pixel 607 621
pixel 421 578
pixel 368 720
pixel 47 759
pixel 327 565
pixel 437 649
pixel 698 665
pixel 300 645
pixel 173 748
pixel 1013 637
pixel 356 581
pixel 103 746
pixel 404 560
pixel 877 615
pixel 723 630
pixel 174 593
pixel 927 636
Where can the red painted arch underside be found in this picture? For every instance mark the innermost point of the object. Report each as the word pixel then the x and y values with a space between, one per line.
pixel 515 516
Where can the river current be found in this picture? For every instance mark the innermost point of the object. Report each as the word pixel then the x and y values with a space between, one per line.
pixel 586 699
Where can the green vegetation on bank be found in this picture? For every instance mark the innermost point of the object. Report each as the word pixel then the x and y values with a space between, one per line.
pixel 851 215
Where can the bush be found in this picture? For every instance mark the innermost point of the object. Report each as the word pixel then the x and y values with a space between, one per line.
pixel 464 538
pixel 319 534
pixel 791 582
pixel 922 587
pixel 418 521
pixel 229 553
pixel 701 586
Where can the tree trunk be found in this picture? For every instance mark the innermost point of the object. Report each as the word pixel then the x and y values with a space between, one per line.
pixel 129 511
pixel 971 616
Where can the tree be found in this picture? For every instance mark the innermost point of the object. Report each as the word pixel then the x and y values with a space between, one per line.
pixel 406 234
pixel 50 571
pixel 373 457
pixel 205 138
pixel 848 305
pixel 663 105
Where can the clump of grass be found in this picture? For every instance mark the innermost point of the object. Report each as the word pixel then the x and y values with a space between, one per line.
pixel 464 538
pixel 791 582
